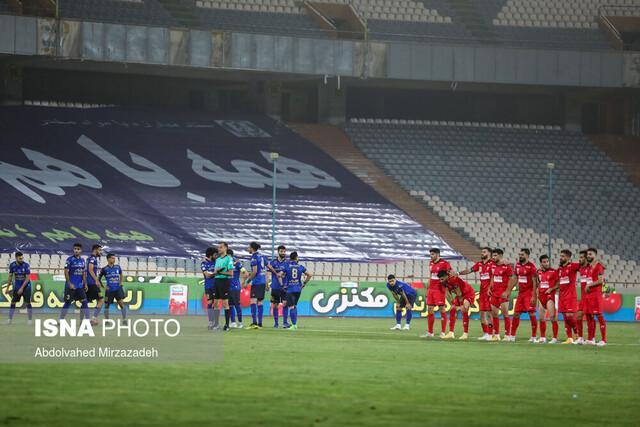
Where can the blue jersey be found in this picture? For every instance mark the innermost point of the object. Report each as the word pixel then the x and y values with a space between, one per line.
pixel 235 280
pixel 293 276
pixel 21 273
pixel 112 273
pixel 402 286
pixel 280 267
pixel 93 263
pixel 76 268
pixel 209 267
pixel 260 262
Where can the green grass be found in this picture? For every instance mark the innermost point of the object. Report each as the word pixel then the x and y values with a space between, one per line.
pixel 341 372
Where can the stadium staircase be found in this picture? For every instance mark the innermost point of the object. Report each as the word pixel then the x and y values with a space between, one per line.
pixel 467 13
pixel 337 144
pixel 624 150
pixel 183 11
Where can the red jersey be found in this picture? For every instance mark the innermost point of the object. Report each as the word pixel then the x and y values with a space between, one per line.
pixel 501 275
pixel 596 271
pixel 525 273
pixel 486 271
pixel 585 279
pixel 456 282
pixel 567 275
pixel 548 279
pixel 435 267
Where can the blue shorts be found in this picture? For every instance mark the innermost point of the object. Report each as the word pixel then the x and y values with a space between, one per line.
pixel 116 294
pixel 234 297
pixel 26 294
pixel 292 298
pixel 77 294
pixel 411 298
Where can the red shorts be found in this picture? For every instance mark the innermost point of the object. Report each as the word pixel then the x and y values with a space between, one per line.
pixel 593 303
pixel 435 297
pixel 523 303
pixel 582 304
pixel 567 305
pixel 483 300
pixel 469 297
pixel 544 299
pixel 497 301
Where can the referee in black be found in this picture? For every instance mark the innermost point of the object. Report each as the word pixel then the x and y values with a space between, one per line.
pixel 222 284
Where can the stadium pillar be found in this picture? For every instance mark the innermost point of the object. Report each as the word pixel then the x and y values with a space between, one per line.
pixel 550 167
pixel 11 92
pixel 274 183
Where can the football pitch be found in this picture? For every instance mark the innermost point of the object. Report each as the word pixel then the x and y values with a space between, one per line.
pixel 341 372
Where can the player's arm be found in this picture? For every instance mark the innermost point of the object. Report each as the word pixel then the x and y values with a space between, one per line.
pixel 396 297
pixel 84 280
pixel 536 284
pixel 512 284
pixel 465 272
pixel 556 285
pixel 600 281
pixel 93 276
pixel 254 272
pixel 490 286
pixel 406 300
pixel 67 278
pixel 9 281
pixel 121 278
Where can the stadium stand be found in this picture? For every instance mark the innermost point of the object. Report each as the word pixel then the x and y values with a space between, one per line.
pixel 137 12
pixel 457 168
pixel 5 8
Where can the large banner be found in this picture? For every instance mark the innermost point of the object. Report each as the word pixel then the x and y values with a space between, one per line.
pixel 159 183
pixel 185 296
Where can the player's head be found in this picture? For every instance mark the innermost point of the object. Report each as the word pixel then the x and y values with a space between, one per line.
pixel 282 251
pixel 210 252
pixel 565 256
pixel 19 257
pixel 293 256
pixel 434 253
pixel 544 262
pixel 96 250
pixel 223 248
pixel 592 253
pixel 443 275
pixel 485 253
pixel 582 257
pixel 253 247
pixel 111 258
pixel 524 255
pixel 391 279
pixel 77 249
pixel 497 254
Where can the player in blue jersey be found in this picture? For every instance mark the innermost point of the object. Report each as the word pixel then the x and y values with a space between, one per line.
pixel 94 289
pixel 113 274
pixel 208 267
pixel 222 287
pixel 296 278
pixel 19 272
pixel 234 294
pixel 258 280
pixel 278 292
pixel 405 297
pixel 74 290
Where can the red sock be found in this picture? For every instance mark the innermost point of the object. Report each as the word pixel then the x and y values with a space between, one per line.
pixel 591 327
pixel 514 326
pixel 485 328
pixel 452 320
pixel 465 322
pixel 579 326
pixel 443 322
pixel 431 318
pixel 543 328
pixel 534 324
pixel 496 325
pixel 568 326
pixel 603 327
pixel 554 328
pixel 507 324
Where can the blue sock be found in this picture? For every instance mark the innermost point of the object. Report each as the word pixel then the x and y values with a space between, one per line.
pixel 124 311
pixel 239 312
pixel 29 311
pixel 294 315
pixel 12 310
pixel 409 316
pixel 97 311
pixel 275 314
pixel 84 310
pixel 106 311
pixel 253 313
pixel 260 313
pixel 285 314
pixel 232 313
pixel 210 312
pixel 398 317
pixel 65 308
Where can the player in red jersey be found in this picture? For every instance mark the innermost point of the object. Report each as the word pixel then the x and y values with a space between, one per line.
pixel 548 284
pixel 585 277
pixel 594 301
pixel 568 303
pixel 527 293
pixel 465 295
pixel 502 280
pixel 485 268
pixel 436 293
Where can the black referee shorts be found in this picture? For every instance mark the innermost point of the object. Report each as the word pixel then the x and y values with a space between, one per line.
pixel 221 288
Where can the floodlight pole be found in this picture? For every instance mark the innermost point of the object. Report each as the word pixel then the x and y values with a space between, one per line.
pixel 550 167
pixel 274 160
